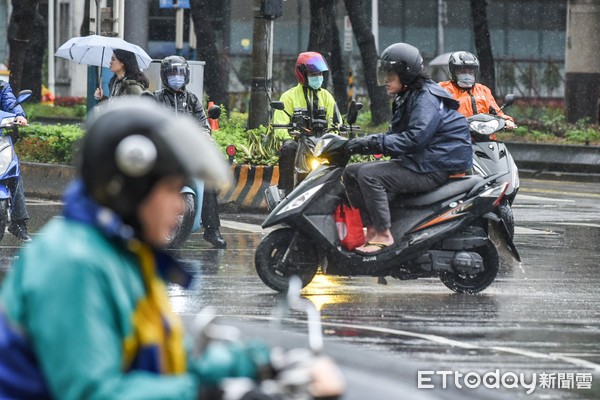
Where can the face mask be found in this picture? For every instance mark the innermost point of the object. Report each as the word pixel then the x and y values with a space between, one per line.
pixel 176 81
pixel 465 80
pixel 315 82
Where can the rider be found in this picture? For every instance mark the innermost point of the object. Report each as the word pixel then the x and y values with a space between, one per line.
pixel 473 97
pixel 19 217
pixel 175 75
pixel 428 141
pixel 84 311
pixel 309 96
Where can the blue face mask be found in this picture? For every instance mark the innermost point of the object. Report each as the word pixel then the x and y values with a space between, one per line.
pixel 315 82
pixel 465 81
pixel 176 81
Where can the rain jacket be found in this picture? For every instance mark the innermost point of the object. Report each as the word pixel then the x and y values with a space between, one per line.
pixel 295 98
pixel 479 93
pixel 8 99
pixel 84 314
pixel 427 133
pixel 124 86
pixel 183 101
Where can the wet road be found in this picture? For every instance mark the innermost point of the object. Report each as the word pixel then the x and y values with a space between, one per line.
pixel 541 316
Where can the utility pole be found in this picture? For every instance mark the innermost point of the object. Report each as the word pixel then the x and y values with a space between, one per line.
pixel 136 22
pixel 265 11
pixel 582 60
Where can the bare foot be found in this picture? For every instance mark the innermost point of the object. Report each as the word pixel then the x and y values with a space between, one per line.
pixel 377 242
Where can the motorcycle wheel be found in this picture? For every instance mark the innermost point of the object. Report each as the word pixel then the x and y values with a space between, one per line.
pixel 505 212
pixel 3 217
pixel 462 283
pixel 301 260
pixel 185 221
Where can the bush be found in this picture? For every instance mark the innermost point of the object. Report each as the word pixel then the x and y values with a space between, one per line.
pixel 37 110
pixel 69 101
pixel 54 144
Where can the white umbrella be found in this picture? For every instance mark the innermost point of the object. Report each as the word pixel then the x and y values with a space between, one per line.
pixel 98 50
pixel 440 60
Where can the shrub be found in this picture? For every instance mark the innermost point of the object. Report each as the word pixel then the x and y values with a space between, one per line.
pixel 69 101
pixel 53 144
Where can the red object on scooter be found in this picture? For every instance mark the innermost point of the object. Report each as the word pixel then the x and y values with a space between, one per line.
pixel 349 226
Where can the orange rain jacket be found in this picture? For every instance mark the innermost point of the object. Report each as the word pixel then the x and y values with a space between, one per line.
pixel 483 99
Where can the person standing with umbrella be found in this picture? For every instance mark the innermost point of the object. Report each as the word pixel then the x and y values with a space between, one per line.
pixel 128 79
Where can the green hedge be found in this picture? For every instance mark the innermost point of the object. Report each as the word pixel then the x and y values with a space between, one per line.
pixel 53 144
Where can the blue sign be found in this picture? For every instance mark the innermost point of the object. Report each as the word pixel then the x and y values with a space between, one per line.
pixel 174 3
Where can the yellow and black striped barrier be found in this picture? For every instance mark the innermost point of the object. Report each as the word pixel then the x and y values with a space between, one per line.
pixel 249 184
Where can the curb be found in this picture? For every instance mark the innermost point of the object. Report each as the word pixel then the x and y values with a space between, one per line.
pixel 246 193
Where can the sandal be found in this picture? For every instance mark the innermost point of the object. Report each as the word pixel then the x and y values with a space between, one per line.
pixel 381 246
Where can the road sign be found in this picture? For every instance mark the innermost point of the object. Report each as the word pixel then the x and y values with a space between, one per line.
pixel 348 35
pixel 174 3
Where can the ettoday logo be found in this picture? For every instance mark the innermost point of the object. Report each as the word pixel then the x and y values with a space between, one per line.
pixel 507 380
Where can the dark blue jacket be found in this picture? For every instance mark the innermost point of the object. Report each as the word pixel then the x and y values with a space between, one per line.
pixel 8 99
pixel 427 133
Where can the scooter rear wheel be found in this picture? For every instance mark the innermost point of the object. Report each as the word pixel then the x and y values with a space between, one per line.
pixel 301 260
pixel 185 221
pixel 3 217
pixel 462 283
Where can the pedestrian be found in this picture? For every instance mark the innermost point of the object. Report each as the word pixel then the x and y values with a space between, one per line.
pixel 175 75
pixel 428 140
pixel 84 310
pixel 473 97
pixel 128 79
pixel 309 96
pixel 20 215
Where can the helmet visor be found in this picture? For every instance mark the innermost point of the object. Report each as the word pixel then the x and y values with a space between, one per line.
pixel 384 69
pixel 316 64
pixel 175 70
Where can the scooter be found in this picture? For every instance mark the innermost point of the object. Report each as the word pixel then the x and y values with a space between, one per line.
pixel 306 131
pixel 189 221
pixel 492 157
pixel 444 233
pixel 9 162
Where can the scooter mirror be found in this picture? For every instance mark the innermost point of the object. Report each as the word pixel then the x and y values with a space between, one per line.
pixel 278 105
pixel 23 96
pixel 214 112
pixel 509 99
pixel 352 112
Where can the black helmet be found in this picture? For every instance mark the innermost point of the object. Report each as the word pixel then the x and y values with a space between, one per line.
pixel 401 58
pixel 462 60
pixel 131 145
pixel 174 66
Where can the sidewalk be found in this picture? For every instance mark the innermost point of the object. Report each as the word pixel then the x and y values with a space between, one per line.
pixel 539 161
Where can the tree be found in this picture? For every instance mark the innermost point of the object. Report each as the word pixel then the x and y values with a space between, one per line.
pixel 324 38
pixel 380 106
pixel 483 45
pixel 215 83
pixel 27 39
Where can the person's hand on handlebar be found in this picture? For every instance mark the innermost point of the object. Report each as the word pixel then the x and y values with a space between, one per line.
pixel 364 145
pixel 20 120
pixel 510 125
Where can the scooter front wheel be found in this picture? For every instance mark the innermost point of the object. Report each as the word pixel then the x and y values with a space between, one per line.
pixel 185 221
pixel 282 254
pixel 505 212
pixel 463 283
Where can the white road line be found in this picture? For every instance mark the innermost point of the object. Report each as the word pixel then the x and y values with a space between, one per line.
pixel 243 226
pixel 445 341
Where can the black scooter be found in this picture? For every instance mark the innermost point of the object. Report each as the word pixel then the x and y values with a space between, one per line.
pixel 444 233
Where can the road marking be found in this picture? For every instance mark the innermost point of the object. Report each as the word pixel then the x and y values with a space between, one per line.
pixel 444 341
pixel 539 198
pixel 558 192
pixel 243 226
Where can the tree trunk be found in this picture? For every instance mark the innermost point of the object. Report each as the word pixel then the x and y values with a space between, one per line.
pixel 215 82
pixel 27 39
pixel 482 44
pixel 324 38
pixel 380 105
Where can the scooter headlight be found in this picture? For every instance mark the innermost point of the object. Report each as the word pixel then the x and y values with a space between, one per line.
pixel 485 127
pixel 6 157
pixel 303 198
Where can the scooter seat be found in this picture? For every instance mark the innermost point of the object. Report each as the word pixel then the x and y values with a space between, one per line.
pixel 453 187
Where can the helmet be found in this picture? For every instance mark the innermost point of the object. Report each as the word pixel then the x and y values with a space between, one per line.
pixel 131 145
pixel 462 60
pixel 309 62
pixel 401 58
pixel 174 66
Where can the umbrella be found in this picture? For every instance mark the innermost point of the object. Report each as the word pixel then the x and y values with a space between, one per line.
pixel 98 50
pixel 441 60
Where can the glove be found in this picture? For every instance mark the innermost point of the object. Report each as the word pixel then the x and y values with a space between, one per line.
pixel 364 145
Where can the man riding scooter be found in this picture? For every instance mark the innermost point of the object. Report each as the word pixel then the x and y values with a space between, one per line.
pixel 428 141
